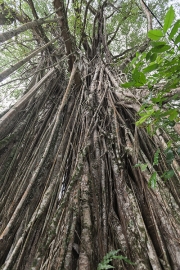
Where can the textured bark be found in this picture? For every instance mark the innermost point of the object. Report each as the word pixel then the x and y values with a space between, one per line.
pixel 68 38
pixel 70 191
pixel 7 121
pixel 12 33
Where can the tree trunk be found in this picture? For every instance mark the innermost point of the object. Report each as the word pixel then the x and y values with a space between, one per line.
pixel 71 190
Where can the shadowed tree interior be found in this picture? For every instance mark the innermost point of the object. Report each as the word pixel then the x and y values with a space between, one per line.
pixel 70 191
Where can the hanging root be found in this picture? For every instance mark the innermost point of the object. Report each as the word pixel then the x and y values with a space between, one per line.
pixel 70 189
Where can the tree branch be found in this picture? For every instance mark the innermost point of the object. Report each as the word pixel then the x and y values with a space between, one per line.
pixel 12 113
pixel 8 15
pixel 14 32
pixel 39 30
pixel 4 74
pixel 148 15
pixel 69 40
pixel 67 37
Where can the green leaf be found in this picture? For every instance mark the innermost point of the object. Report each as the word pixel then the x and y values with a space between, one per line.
pixel 142 78
pixel 178 150
pixel 109 257
pixel 138 77
pixel 153 180
pixel 106 266
pixel 172 70
pixel 148 55
pixel 158 99
pixel 155 34
pixel 149 129
pixel 173 114
pixel 168 174
pixel 144 117
pixel 112 253
pixel 153 57
pixel 150 68
pixel 169 155
pixel 169 18
pixel 127 85
pixel 174 29
pixel 156 157
pixel 142 120
pixel 169 143
pixel 137 165
pixel 143 166
pixel 161 48
pixel 177 40
pixel 158 43
pixel 135 74
pixel 171 123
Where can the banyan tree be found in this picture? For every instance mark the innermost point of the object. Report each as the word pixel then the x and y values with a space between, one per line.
pixel 71 190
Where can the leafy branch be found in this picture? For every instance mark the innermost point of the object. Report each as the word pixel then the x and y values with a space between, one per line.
pixel 160 64
pixel 109 257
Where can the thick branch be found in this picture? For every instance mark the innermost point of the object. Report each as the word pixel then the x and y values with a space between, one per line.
pixel 93 10
pixel 11 115
pixel 148 15
pixel 9 71
pixel 9 34
pixel 124 52
pixel 39 29
pixel 68 39
pixel 141 49
pixel 83 38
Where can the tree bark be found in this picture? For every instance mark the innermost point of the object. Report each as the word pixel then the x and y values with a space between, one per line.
pixel 12 33
pixel 72 189
pixel 80 190
pixel 7 121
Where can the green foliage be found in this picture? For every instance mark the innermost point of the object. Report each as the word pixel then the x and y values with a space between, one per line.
pixel 155 34
pixel 124 16
pixel 168 174
pixel 142 166
pixel 160 64
pixel 153 180
pixel 178 151
pixel 174 29
pixel 109 257
pixel 156 157
pixel 169 155
pixel 177 40
pixel 169 18
pixel 150 68
pixel 145 115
